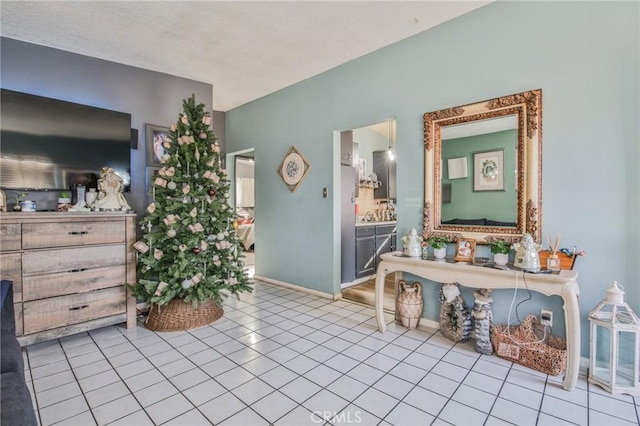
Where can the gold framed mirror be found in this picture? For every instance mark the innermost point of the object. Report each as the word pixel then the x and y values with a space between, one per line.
pixel 483 169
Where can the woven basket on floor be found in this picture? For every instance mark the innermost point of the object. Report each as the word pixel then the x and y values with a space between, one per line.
pixel 178 315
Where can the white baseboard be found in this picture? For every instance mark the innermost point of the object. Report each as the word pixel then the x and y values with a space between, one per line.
pixel 299 288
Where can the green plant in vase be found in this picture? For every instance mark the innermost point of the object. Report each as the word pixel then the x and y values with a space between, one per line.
pixel 500 249
pixel 439 244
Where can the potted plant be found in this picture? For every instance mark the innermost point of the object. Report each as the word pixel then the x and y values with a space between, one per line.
pixel 500 249
pixel 439 244
pixel 18 198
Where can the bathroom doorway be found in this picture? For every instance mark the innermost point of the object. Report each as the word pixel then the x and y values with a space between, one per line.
pixel 368 218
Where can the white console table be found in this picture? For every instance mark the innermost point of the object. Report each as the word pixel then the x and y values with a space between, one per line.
pixel 564 285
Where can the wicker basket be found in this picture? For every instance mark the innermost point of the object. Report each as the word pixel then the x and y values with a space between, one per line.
pixel 179 315
pixel 522 344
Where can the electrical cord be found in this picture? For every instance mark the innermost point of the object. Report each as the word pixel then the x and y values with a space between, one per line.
pixel 511 309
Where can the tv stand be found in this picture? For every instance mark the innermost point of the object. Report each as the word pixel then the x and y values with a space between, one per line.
pixel 564 285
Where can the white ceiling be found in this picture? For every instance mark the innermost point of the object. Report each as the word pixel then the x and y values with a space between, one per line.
pixel 245 49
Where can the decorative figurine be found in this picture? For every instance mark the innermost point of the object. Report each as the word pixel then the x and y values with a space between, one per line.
pixel 110 187
pixel 412 244
pixel 455 318
pixel 527 257
pixel 483 320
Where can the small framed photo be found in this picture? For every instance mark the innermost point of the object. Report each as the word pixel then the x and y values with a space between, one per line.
pixel 488 171
pixel 156 136
pixel 465 250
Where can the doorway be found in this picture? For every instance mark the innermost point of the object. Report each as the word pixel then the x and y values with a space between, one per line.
pixel 243 190
pixel 368 218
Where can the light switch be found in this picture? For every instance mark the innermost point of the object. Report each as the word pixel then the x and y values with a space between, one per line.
pixel 324 192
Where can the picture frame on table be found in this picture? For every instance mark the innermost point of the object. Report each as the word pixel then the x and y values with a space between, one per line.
pixel 488 170
pixel 155 136
pixel 465 250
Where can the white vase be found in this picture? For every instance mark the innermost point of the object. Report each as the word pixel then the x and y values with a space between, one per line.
pixel 500 259
pixel 440 253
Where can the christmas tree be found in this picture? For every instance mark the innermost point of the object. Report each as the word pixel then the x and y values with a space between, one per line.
pixel 189 249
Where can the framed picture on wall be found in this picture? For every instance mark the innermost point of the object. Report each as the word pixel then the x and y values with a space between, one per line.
pixel 488 170
pixel 156 136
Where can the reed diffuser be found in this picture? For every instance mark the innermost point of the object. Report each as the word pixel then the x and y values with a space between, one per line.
pixel 553 262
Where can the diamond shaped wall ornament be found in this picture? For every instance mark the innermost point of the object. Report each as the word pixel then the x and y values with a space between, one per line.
pixel 293 168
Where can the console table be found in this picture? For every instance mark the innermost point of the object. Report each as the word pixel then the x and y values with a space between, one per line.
pixel 564 285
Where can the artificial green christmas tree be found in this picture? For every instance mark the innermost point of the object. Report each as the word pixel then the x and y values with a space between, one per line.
pixel 189 250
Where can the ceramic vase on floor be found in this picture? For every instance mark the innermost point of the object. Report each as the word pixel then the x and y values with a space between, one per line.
pixel 409 303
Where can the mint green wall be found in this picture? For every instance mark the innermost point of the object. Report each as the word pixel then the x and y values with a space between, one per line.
pixel 583 55
pixel 467 204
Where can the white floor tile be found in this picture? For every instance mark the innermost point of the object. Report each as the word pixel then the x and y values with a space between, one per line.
pixel 169 408
pixel 63 410
pixel 204 392
pixel 514 413
pixel 189 379
pixel 301 364
pixel 245 417
pixel 474 398
pixel 278 376
pixel 347 388
pixel 274 406
pixel 451 371
pixel 234 378
pixel 393 386
pixel 439 384
pixel 190 418
pixel 425 400
pixel 325 401
pixel 156 392
pixel 260 365
pixel 365 374
pixel 106 394
pixel 404 414
pixel 322 375
pixel 376 402
pixel 458 414
pixel 408 372
pixel 252 391
pixel 116 409
pixel 354 415
pixel 82 419
pixel 299 416
pixel 612 407
pixel 222 407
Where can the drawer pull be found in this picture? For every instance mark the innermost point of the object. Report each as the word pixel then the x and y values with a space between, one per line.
pixel 78 232
pixel 77 308
pixel 78 270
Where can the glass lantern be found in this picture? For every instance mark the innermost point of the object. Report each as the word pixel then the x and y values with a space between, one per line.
pixel 614 361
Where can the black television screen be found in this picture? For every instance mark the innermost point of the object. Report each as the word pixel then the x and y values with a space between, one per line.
pixel 49 144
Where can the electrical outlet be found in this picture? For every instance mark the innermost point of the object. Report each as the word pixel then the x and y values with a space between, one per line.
pixel 546 317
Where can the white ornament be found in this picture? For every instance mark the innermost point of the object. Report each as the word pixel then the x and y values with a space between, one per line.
pixel 171 233
pixel 171 185
pixel 186 283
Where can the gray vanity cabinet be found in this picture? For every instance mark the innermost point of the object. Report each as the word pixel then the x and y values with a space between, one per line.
pixel 371 242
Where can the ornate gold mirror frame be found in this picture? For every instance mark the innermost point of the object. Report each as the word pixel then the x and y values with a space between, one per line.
pixel 527 109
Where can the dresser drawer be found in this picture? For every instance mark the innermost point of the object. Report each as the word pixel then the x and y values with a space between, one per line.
pixel 11 269
pixel 61 311
pixel 65 234
pixel 72 260
pixel 48 285
pixel 10 236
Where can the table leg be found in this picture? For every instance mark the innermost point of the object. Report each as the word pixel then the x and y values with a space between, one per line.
pixel 572 320
pixel 381 274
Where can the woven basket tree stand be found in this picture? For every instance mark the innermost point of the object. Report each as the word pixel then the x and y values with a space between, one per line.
pixel 178 315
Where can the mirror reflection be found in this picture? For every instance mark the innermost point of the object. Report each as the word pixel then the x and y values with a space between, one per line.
pixel 463 146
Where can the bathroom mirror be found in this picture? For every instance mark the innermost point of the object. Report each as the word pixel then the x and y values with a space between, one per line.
pixel 488 158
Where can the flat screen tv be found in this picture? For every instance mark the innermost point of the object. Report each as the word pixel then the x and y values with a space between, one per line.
pixel 49 144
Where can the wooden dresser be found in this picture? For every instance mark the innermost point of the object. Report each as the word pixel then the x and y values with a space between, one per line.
pixel 69 271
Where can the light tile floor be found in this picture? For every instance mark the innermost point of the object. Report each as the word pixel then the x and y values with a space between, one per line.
pixel 284 357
